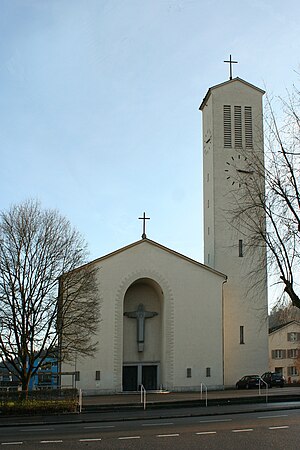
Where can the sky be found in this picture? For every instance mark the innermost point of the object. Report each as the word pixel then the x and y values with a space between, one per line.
pixel 99 105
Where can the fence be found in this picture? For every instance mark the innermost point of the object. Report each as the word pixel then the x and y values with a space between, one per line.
pixel 39 401
pixel 41 394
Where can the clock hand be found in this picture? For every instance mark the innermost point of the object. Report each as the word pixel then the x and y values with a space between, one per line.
pixel 245 171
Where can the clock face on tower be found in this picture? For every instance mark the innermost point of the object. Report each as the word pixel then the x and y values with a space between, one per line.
pixel 207 141
pixel 238 170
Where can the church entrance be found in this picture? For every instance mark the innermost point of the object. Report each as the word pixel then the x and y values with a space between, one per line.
pixel 130 378
pixel 149 377
pixel 135 375
pixel 142 335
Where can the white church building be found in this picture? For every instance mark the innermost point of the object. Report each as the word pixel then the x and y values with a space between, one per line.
pixel 168 321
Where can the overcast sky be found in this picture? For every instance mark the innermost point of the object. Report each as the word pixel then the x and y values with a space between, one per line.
pixel 99 105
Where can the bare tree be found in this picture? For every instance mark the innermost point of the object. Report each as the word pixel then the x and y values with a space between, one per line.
pixel 39 248
pixel 282 314
pixel 272 191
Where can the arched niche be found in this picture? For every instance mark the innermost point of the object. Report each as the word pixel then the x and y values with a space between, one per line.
pixel 142 334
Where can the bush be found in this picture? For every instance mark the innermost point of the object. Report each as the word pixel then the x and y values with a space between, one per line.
pixel 37 407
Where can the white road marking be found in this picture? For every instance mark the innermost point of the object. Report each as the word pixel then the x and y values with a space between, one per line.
pixel 101 426
pixel 129 437
pixel 12 443
pixel 242 430
pixel 36 429
pixel 272 417
pixel 89 439
pixel 207 432
pixel 215 420
pixel 279 428
pixel 156 423
pixel 51 442
pixel 167 435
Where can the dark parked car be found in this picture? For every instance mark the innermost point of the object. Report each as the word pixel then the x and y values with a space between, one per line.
pixel 248 382
pixel 273 379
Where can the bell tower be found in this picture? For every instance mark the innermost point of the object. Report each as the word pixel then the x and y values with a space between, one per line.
pixel 232 126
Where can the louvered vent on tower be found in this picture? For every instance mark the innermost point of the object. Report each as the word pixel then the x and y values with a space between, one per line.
pixel 238 143
pixel 227 126
pixel 248 127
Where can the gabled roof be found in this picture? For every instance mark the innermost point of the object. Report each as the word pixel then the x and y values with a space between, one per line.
pixel 228 82
pixel 162 247
pixel 283 325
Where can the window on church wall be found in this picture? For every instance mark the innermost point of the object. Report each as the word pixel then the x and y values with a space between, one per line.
pixel 238 142
pixel 241 248
pixel 189 372
pixel 227 126
pixel 248 127
pixel 242 334
pixel 77 375
pixel 208 372
pixel 98 375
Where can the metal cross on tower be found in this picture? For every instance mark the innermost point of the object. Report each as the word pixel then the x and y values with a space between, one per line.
pixel 230 66
pixel 144 218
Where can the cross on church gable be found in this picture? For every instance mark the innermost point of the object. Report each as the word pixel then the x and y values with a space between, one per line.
pixel 144 218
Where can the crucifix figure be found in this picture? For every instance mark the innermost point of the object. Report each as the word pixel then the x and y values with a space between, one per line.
pixel 144 218
pixel 140 315
pixel 230 66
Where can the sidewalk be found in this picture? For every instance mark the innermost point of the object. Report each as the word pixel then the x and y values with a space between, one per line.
pixel 177 398
pixel 166 406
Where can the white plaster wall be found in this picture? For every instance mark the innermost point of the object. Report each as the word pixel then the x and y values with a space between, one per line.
pixel 208 184
pixel 191 318
pixel 243 305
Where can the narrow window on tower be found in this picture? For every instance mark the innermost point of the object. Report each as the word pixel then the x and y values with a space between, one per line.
pixel 238 127
pixel 227 126
pixel 248 127
pixel 207 230
pixel 77 375
pixel 189 372
pixel 207 177
pixel 240 248
pixel 208 203
pixel 208 372
pixel 242 337
pixel 98 375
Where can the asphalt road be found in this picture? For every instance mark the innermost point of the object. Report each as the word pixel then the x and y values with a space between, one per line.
pixel 260 430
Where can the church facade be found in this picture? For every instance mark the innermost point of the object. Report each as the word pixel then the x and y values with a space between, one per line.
pixel 159 311
pixel 167 321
